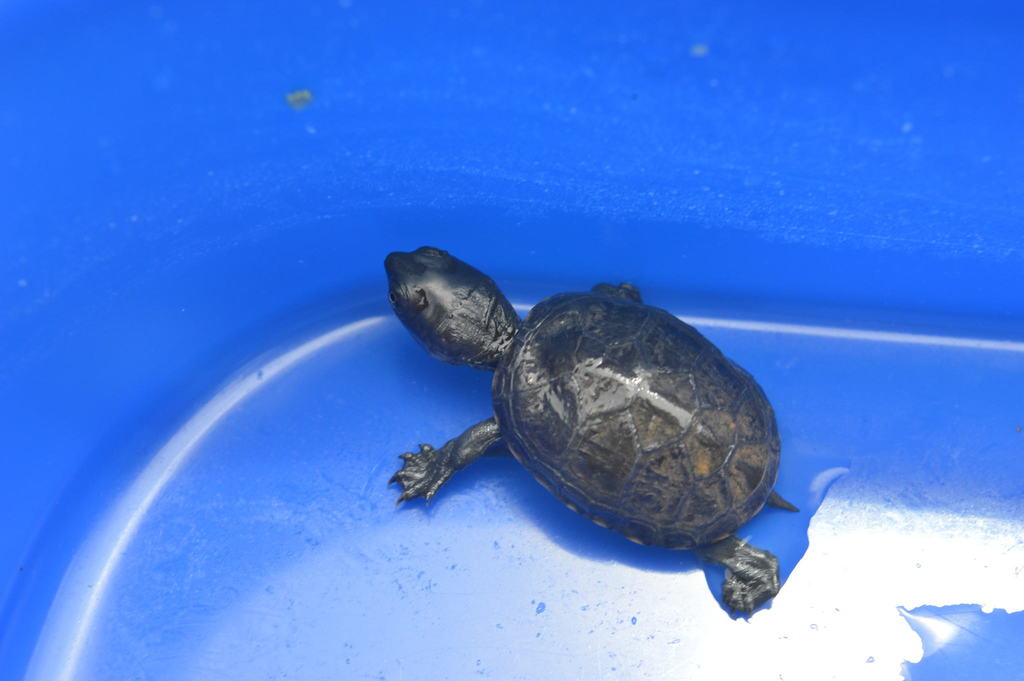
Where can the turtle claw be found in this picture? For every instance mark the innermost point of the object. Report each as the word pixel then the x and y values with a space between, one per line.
pixel 422 473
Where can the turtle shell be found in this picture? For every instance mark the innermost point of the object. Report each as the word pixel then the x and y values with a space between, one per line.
pixel 634 419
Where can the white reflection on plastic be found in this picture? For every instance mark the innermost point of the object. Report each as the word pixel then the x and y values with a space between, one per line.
pixel 64 635
pixel 935 632
pixel 859 334
pixel 841 333
pixel 837 617
pixel 822 481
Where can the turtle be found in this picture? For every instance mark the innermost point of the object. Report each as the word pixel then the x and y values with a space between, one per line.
pixel 620 409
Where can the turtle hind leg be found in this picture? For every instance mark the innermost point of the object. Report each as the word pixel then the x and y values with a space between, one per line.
pixel 423 472
pixel 624 290
pixel 751 574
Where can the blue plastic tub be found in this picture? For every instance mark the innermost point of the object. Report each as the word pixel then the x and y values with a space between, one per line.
pixel 204 391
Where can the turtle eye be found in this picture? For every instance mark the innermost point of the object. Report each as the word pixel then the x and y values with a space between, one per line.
pixel 419 299
pixel 392 298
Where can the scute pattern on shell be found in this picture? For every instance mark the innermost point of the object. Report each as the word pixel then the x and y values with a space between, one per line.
pixel 633 418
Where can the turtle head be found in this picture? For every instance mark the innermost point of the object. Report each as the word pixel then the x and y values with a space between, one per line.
pixel 455 311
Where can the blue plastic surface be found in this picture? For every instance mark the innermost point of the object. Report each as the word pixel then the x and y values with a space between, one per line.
pixel 203 392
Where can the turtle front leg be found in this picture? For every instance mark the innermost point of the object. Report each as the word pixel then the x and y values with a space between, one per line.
pixel 751 574
pixel 424 472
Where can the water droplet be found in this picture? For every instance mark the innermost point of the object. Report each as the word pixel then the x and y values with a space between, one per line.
pixel 870 660
pixel 633 620
pixel 541 607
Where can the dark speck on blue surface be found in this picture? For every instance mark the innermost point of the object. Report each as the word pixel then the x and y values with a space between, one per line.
pixel 541 607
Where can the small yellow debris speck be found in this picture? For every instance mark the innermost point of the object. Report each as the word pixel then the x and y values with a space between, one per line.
pixel 299 99
pixel 699 50
pixel 1019 428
